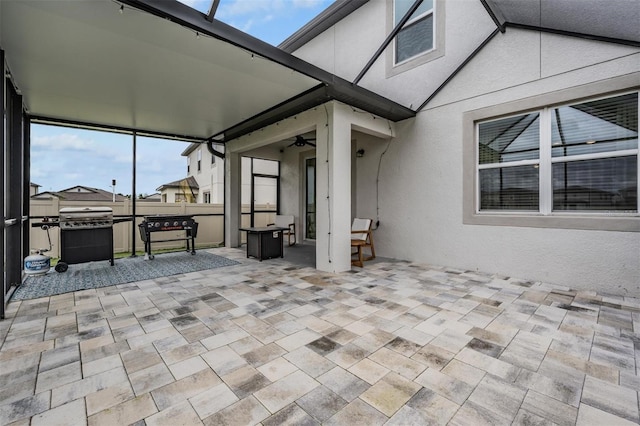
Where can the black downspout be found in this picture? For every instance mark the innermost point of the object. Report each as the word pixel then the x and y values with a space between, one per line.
pixel 133 200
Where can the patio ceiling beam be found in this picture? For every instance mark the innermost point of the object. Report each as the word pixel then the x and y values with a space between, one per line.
pixel 318 95
pixel 306 100
pixel 37 119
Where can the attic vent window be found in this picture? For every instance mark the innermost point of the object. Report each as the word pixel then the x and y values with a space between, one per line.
pixel 417 36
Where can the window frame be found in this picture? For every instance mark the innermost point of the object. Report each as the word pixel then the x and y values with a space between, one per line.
pixel 437 50
pixel 414 21
pixel 546 161
pixel 545 217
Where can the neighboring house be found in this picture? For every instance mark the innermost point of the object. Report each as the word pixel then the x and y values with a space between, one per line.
pixel 79 193
pixel 186 190
pixel 208 171
pixel 522 157
pixel 33 189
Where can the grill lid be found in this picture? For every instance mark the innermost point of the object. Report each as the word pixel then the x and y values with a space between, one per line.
pixel 86 217
pixel 75 213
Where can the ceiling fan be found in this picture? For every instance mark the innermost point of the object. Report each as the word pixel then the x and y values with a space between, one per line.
pixel 300 141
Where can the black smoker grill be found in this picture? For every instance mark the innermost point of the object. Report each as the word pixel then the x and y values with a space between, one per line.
pixel 86 235
pixel 160 223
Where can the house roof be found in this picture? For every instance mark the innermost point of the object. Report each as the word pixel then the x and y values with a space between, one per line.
pixel 325 20
pixel 80 193
pixel 189 182
pixel 160 68
pixel 612 20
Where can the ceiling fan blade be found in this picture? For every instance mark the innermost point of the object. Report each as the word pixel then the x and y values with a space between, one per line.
pixel 312 144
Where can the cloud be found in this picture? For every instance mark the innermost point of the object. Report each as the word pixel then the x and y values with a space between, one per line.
pixel 63 142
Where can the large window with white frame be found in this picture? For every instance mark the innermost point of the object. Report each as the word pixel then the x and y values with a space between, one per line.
pixel 418 34
pixel 578 157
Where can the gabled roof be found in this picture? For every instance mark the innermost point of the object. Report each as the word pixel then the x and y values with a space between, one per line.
pixel 85 193
pixel 188 182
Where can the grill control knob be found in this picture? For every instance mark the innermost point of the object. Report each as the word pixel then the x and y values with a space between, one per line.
pixel 166 224
pixel 184 223
pixel 157 224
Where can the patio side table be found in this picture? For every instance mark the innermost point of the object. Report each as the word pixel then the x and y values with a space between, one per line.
pixel 265 243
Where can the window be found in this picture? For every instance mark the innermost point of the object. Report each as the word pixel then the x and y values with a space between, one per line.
pixel 417 35
pixel 199 160
pixel 188 165
pixel 580 157
pixel 206 197
pixel 213 159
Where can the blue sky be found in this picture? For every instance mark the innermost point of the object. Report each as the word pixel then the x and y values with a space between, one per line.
pixel 64 157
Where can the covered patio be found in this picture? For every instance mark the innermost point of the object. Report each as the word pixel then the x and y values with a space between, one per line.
pixel 164 69
pixel 276 343
pixel 273 342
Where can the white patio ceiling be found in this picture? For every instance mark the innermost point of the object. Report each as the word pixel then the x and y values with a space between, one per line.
pixel 90 62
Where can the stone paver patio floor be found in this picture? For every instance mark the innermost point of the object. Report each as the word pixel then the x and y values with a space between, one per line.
pixel 270 343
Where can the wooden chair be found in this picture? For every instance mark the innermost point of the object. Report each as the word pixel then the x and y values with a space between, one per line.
pixel 286 221
pixel 361 237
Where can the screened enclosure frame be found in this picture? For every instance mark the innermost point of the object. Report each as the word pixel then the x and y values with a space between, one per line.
pixel 545 163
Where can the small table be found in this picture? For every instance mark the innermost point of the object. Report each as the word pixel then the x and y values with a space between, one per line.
pixel 265 243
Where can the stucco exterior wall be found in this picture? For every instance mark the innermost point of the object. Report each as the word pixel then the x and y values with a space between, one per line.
pixel 420 194
pixel 210 178
pixel 428 165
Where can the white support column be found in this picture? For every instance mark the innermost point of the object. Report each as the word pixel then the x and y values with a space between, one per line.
pixel 232 199
pixel 333 189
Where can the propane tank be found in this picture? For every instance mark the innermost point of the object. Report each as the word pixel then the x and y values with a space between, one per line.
pixel 37 263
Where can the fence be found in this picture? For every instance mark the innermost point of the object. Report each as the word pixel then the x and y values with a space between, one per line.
pixel 210 218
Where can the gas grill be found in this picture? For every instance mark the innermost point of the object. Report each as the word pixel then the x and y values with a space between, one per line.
pixel 163 223
pixel 86 235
